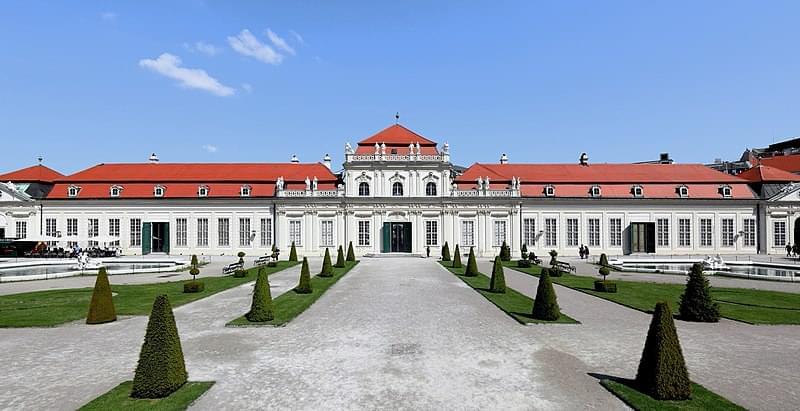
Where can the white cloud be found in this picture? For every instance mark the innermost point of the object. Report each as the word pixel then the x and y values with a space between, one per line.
pixel 297 36
pixel 247 87
pixel 202 47
pixel 108 16
pixel 279 42
pixel 248 45
pixel 169 65
pixel 210 148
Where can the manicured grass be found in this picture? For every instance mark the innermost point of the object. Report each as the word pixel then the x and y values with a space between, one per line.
pixel 291 304
pixel 50 308
pixel 702 399
pixel 746 305
pixel 512 302
pixel 119 399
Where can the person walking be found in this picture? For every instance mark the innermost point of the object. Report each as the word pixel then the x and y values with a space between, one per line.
pixel 586 252
pixel 788 250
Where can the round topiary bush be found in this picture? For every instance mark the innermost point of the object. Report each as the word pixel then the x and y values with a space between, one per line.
pixel 662 370
pixel 193 286
pixel 101 308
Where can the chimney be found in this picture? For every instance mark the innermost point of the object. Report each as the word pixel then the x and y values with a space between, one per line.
pixel 503 159
pixel 584 159
pixel 663 158
pixel 153 158
pixel 327 161
pixel 295 160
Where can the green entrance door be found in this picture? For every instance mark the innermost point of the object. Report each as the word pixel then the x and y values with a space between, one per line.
pixel 396 238
pixel 147 238
pixel 643 237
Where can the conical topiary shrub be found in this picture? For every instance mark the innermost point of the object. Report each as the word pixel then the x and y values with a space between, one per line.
pixel 293 253
pixel 505 252
pixel 351 256
pixel 327 268
pixel 304 286
pixel 545 306
pixel 523 252
pixel 472 265
pixel 340 258
pixel 101 308
pixel 261 307
pixel 603 260
pixel 696 302
pixel 498 282
pixel 662 371
pixel 445 252
pixel 457 258
pixel 161 370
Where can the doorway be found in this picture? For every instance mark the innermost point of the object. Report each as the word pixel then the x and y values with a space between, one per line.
pixel 160 238
pixel 396 238
pixel 796 238
pixel 643 237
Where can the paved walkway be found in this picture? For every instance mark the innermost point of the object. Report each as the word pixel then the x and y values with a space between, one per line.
pixel 755 366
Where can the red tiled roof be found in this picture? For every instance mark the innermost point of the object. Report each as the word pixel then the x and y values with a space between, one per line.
pixel 766 174
pixel 37 173
pixel 789 163
pixel 397 135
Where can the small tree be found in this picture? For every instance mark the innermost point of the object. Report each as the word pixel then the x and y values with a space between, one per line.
pixel 293 253
pixel 524 252
pixel 662 370
pixel 101 308
pixel 445 252
pixel 505 252
pixel 194 270
pixel 457 258
pixel 604 260
pixel 340 258
pixel 472 265
pixel 275 252
pixel 161 369
pixel 696 302
pixel 553 258
pixel 351 256
pixel 604 271
pixel 545 306
pixel 327 268
pixel 194 262
pixel 261 307
pixel 498 281
pixel 241 255
pixel 304 286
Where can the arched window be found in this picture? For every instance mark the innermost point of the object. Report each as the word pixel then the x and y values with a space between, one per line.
pixel 363 189
pixel 397 189
pixel 430 189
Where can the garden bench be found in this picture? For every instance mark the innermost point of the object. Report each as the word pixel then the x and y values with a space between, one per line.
pixel 565 266
pixel 263 260
pixel 231 268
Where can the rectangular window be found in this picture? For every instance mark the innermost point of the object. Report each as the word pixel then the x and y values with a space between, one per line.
pixel 779 233
pixel 181 232
pixel 51 230
pixel 662 232
pixel 684 232
pixel 551 232
pixel 749 239
pixel 431 232
pixel 244 232
pixel 266 232
pixel 529 231
pixel 296 232
pixel 136 231
pixel 113 231
pixel 363 232
pixel 224 232
pixel 706 234
pixel 202 232
pixel 594 232
pixel 326 237
pixel 94 231
pixel 615 232
pixel 572 232
pixel 499 233
pixel 728 232
pixel 72 227
pixel 22 229
pixel 468 233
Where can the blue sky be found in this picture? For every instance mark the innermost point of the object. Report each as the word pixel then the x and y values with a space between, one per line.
pixel 110 81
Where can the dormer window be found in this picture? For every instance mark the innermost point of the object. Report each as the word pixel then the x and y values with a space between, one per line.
pixel 202 191
pixel 683 191
pixel 594 191
pixel 726 191
pixel 158 191
pixel 72 191
pixel 549 191
pixel 637 191
pixel 244 191
pixel 115 191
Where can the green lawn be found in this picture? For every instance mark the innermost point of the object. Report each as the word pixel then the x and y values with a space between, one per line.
pixel 512 302
pixel 747 305
pixel 702 399
pixel 290 304
pixel 119 399
pixel 50 308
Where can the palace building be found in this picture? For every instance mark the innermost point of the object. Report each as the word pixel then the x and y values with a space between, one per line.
pixel 399 192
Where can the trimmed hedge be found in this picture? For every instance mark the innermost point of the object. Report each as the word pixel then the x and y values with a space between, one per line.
pixel 351 256
pixel 524 263
pixel 472 265
pixel 545 306
pixel 161 369
pixel 293 253
pixel 498 282
pixel 457 258
pixel 327 268
pixel 662 370
pixel 696 303
pixel 240 273
pixel 304 286
pixel 445 252
pixel 604 286
pixel 101 308
pixel 261 307
pixel 340 258
pixel 193 286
